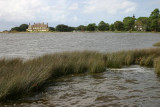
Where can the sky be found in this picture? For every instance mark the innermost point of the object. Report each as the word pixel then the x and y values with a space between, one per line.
pixel 71 12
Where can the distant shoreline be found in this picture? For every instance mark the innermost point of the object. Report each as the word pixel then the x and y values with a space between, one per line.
pixel 82 32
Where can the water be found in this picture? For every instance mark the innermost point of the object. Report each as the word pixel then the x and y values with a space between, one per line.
pixel 29 45
pixel 133 86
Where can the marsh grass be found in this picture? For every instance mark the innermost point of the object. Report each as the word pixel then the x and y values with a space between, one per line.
pixel 157 44
pixel 157 65
pixel 19 78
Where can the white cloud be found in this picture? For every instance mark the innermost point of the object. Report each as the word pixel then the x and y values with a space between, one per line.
pixel 109 6
pixel 18 9
pixel 128 10
pixel 34 10
pixel 58 10
pixel 75 18
pixel 74 6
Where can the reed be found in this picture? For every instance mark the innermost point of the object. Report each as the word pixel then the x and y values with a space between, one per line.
pixel 157 44
pixel 20 78
pixel 157 65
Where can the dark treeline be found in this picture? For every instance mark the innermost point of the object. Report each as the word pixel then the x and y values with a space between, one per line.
pixel 21 28
pixel 151 23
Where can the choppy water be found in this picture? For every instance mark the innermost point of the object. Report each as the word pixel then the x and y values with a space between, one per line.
pixel 127 87
pixel 27 45
pixel 132 86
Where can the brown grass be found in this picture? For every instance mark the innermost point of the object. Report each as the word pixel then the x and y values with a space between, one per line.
pixel 157 44
pixel 19 78
pixel 157 65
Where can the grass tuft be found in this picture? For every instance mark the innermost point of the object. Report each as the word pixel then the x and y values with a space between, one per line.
pixel 19 78
pixel 157 65
pixel 157 44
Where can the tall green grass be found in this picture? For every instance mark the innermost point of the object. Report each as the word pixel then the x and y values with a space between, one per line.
pixel 19 78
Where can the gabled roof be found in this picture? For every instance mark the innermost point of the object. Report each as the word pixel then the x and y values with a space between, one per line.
pixel 40 25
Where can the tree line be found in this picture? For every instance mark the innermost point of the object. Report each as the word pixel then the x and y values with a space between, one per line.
pixel 151 23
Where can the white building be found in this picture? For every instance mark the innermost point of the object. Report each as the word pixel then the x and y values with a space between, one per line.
pixel 38 27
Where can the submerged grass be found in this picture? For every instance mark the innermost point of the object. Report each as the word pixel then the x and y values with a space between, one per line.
pixel 19 78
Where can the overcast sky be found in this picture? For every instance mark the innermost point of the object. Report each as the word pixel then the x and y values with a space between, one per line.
pixel 71 12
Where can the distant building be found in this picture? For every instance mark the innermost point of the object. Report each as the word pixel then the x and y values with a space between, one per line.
pixel 138 27
pixel 38 27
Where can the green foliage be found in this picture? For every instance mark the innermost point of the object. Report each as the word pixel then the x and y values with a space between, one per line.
pixel 155 17
pixel 21 28
pixel 70 29
pixel 81 28
pixel 155 14
pixel 112 27
pixel 15 29
pixel 91 27
pixel 154 25
pixel 118 25
pixel 128 23
pixel 64 28
pixel 143 22
pixel 102 26
pixel 52 29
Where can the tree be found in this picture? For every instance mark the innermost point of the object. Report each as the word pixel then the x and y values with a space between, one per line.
pixel 128 23
pixel 154 25
pixel 15 29
pixel 91 27
pixel 112 27
pixel 159 24
pixel 102 26
pixel 81 28
pixel 118 25
pixel 155 17
pixel 51 29
pixel 23 27
pixel 155 14
pixel 143 23
pixel 62 28
pixel 70 29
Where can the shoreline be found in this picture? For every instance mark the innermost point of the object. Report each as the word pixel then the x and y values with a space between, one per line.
pixel 82 32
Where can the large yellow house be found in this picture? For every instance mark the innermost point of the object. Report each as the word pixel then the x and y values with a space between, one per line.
pixel 38 27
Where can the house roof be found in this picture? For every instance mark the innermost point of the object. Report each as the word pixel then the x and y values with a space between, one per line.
pixel 40 25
